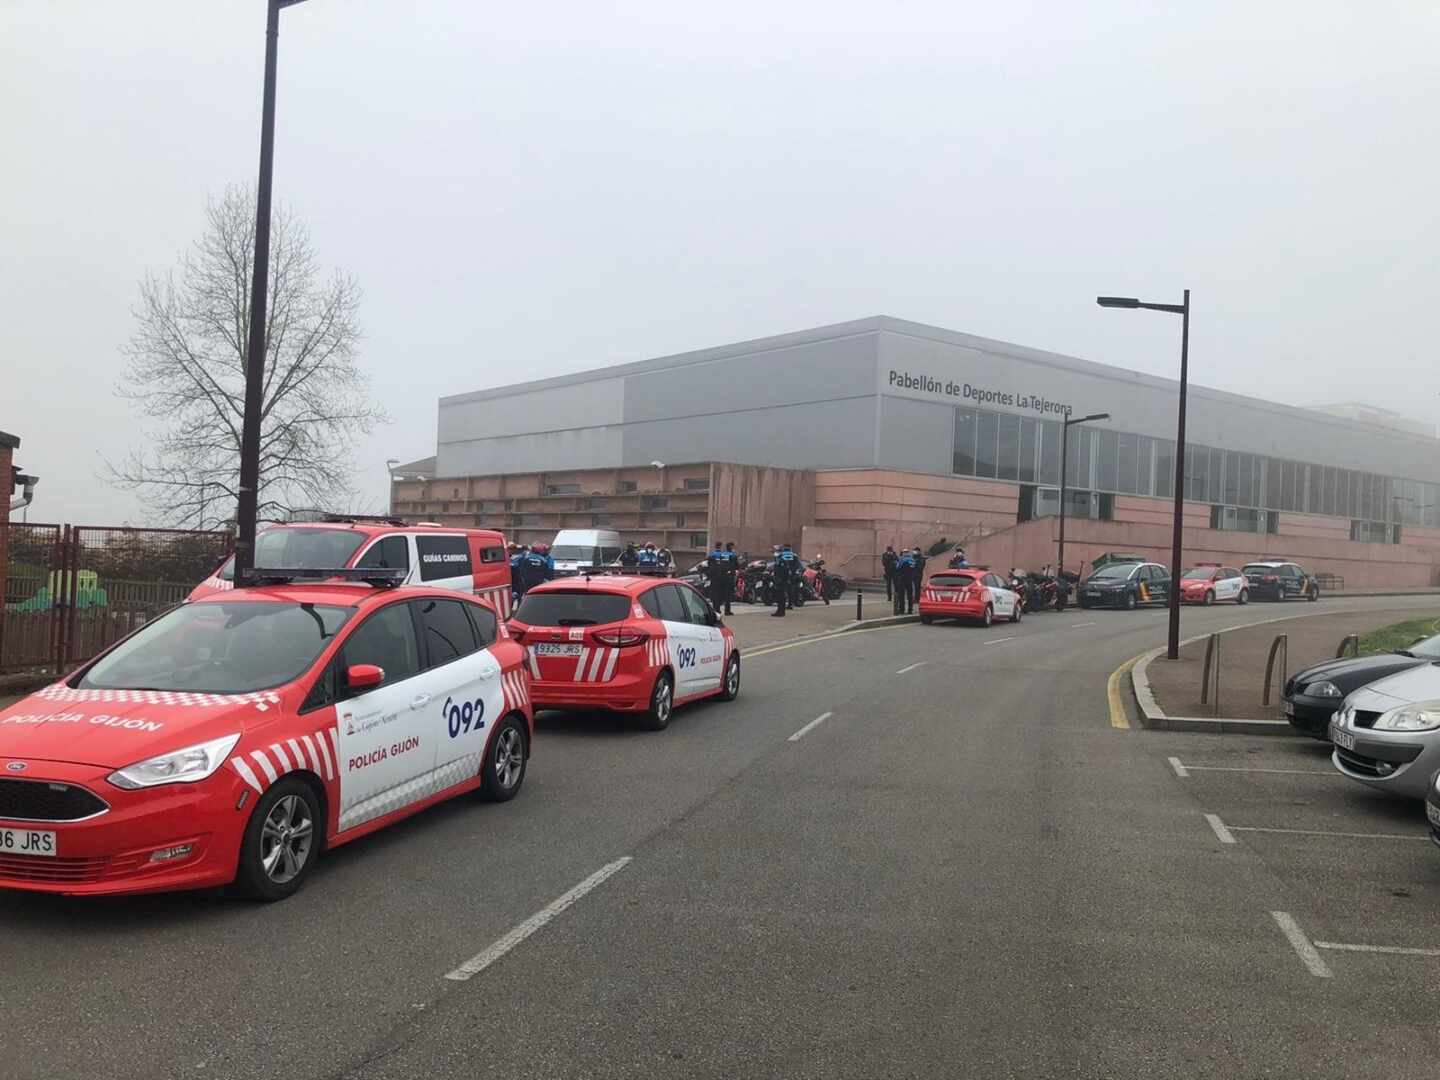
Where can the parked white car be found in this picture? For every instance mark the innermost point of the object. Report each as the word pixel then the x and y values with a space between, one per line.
pixel 1387 734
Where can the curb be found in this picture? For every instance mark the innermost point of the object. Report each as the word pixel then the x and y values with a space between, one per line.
pixel 1152 716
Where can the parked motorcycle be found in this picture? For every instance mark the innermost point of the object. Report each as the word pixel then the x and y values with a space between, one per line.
pixel 821 583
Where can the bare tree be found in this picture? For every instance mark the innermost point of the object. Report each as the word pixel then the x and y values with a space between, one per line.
pixel 185 372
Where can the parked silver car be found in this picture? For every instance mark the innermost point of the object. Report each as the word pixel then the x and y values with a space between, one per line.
pixel 1387 734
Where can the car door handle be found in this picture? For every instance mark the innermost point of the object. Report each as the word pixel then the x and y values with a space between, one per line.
pixel 419 701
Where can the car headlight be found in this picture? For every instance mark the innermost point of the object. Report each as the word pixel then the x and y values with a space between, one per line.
pixel 1323 689
pixel 1421 716
pixel 187 766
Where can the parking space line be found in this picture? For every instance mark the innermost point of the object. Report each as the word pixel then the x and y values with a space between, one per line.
pixel 998 640
pixel 1323 832
pixel 1313 961
pixel 912 667
pixel 1388 950
pixel 480 961
pixel 1218 827
pixel 813 723
pixel 1180 770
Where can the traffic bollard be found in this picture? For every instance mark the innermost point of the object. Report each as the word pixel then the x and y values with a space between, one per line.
pixel 858 604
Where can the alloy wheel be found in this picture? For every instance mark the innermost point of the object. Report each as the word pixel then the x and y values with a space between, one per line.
pixel 509 758
pixel 286 839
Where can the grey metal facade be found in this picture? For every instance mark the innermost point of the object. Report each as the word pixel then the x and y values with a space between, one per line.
pixel 878 392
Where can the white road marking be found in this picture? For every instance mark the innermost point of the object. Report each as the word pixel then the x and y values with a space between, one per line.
pixel 1313 961
pixel 1221 832
pixel 1325 832
pixel 1180 770
pixel 481 961
pixel 813 723
pixel 1389 950
pixel 1080 625
pixel 1240 768
pixel 912 667
pixel 998 640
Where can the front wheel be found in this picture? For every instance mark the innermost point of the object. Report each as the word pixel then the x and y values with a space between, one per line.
pixel 281 842
pixel 504 769
pixel 662 703
pixel 1244 597
pixel 730 685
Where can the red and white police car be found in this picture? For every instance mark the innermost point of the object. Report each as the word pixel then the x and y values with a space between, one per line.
pixel 1207 582
pixel 625 643
pixel 236 737
pixel 971 593
pixel 466 560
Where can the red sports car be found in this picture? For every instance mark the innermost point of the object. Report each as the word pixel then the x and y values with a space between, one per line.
pixel 627 644
pixel 236 737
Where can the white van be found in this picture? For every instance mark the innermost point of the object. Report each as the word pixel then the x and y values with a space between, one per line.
pixel 578 550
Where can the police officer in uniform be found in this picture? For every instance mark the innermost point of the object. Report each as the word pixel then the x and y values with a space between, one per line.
pixel 648 561
pixel 904 575
pixel 732 571
pixel 629 558
pixel 917 577
pixel 715 566
pixel 787 570
pixel 887 565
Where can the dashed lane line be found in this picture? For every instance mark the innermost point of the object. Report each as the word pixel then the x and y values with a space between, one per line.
pixel 812 724
pixel 1082 625
pixel 997 641
pixel 1309 955
pixel 480 961
pixel 912 667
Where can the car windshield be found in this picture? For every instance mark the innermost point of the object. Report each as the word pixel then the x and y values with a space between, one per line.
pixel 575 553
pixel 302 549
pixel 1426 648
pixel 1200 573
pixel 572 608
pixel 1114 572
pixel 230 647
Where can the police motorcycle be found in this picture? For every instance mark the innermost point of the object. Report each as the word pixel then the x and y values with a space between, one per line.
pixel 821 583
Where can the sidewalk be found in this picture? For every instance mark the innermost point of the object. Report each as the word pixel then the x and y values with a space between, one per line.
pixel 1243 653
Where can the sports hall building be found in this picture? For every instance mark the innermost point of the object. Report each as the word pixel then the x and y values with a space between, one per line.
pixel 845 438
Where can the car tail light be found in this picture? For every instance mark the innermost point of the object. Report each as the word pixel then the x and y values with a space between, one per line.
pixel 621 637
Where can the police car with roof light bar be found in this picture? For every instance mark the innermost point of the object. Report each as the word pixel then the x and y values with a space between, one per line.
pixel 237 736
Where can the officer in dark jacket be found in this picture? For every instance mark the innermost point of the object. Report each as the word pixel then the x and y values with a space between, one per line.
pixel 904 577
pixel 787 571
pixel 629 558
pixel 732 572
pixel 714 568
pixel 887 564
pixel 918 577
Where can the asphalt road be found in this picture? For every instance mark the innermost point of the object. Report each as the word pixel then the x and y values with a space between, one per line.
pixel 963 870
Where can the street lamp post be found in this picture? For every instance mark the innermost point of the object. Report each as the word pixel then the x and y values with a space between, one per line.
pixel 247 502
pixel 1064 463
pixel 1172 648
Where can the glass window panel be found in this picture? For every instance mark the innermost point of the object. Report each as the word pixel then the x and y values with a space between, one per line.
pixel 1029 437
pixel 1049 453
pixel 1244 481
pixel 986 432
pixel 1009 447
pixel 1197 468
pixel 1164 468
pixel 1230 491
pixel 1127 466
pixel 1272 483
pixel 1217 469
pixel 1257 480
pixel 965 441
pixel 1105 478
pixel 1144 468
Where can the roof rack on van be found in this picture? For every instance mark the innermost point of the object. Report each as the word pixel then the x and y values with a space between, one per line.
pixel 362 519
pixel 381 577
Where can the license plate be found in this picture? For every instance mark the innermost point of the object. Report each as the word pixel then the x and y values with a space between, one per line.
pixel 1289 708
pixel 1342 738
pixel 27 842
pixel 557 649
pixel 1433 813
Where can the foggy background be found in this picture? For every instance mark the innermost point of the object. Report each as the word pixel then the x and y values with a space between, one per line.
pixel 528 191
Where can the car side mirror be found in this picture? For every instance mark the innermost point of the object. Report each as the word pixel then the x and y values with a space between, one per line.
pixel 364 676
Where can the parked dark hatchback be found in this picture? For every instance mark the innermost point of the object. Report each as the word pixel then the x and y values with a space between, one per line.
pixel 1280 581
pixel 1312 695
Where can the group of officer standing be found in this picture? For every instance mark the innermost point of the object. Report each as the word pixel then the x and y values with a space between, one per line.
pixel 721 568
pixel 904 572
pixel 529 566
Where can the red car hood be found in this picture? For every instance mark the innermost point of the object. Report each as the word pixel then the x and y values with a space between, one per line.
pixel 114 728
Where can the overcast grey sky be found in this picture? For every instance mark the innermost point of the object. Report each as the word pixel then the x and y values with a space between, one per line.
pixel 527 190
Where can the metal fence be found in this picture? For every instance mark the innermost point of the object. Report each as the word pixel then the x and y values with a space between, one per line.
pixel 70 591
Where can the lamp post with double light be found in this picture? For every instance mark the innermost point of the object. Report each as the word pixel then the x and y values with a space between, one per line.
pixel 1172 648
